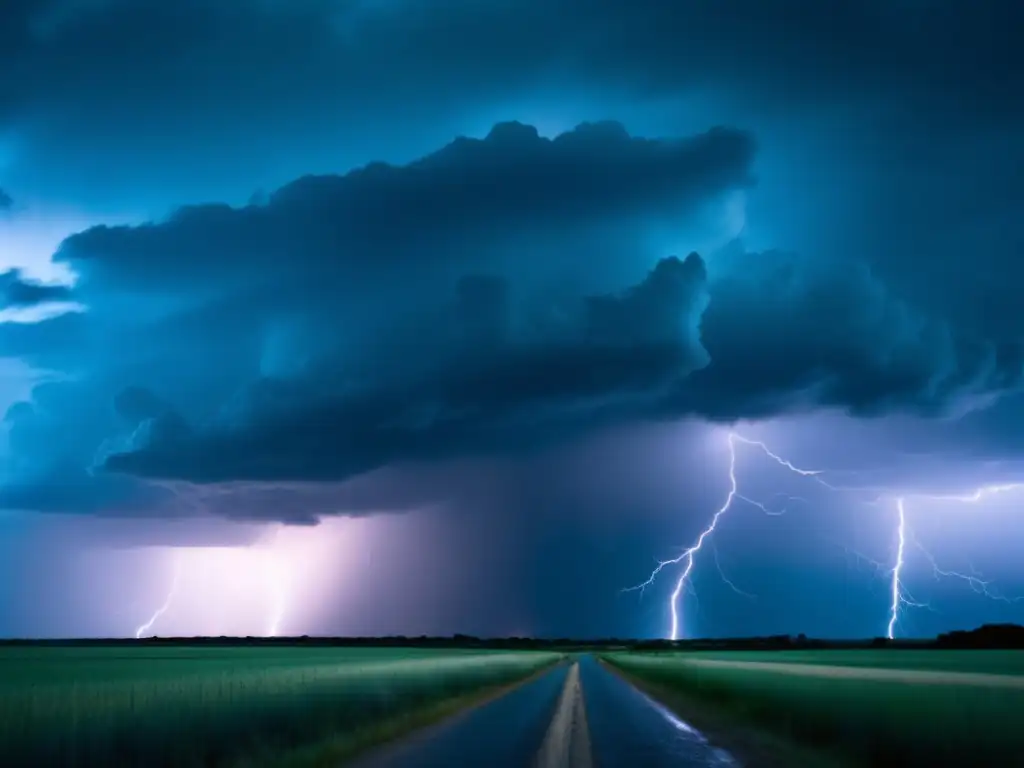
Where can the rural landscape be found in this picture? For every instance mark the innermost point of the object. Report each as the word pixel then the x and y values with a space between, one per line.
pixel 337 701
pixel 511 383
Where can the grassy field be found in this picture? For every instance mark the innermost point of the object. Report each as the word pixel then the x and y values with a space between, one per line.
pixel 201 706
pixel 865 721
pixel 986 662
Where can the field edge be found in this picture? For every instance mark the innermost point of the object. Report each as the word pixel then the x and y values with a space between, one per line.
pixel 749 741
pixel 345 749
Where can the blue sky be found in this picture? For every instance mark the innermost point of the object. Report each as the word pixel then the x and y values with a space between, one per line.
pixel 405 317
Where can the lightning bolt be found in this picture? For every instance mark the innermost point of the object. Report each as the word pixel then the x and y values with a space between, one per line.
pixel 726 580
pixel 974 496
pixel 275 582
pixel 976 581
pixel 900 596
pixel 688 556
pixel 812 473
pixel 897 571
pixel 278 590
pixel 143 629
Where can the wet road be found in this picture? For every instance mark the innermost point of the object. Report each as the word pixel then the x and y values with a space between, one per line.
pixel 629 729
pixel 503 733
pixel 626 730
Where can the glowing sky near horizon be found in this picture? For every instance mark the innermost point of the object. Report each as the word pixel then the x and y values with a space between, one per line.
pixel 268 588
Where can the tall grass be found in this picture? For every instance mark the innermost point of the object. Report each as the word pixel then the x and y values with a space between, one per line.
pixel 984 661
pixel 872 722
pixel 157 709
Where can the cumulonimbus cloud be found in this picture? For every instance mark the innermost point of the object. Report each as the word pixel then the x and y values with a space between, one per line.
pixel 497 295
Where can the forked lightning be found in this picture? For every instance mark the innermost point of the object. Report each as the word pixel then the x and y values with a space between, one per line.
pixel 899 596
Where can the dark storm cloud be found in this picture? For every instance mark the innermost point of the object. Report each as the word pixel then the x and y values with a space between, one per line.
pixel 786 333
pixel 453 200
pixel 788 336
pixel 496 292
pixel 478 296
pixel 54 342
pixel 18 291
pixel 110 76
pixel 622 352
pixel 445 309
pixel 919 102
pixel 110 47
pixel 913 106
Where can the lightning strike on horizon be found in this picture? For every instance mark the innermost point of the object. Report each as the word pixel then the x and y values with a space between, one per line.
pixel 144 628
pixel 275 572
pixel 688 555
pixel 270 574
pixel 898 592
pixel 981 586
pixel 900 595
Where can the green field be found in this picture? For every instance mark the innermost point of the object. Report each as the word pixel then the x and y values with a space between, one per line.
pixel 200 706
pixel 862 721
pixel 988 662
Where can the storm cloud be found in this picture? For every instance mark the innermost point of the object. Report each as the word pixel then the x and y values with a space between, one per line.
pixel 81 64
pixel 17 291
pixel 494 290
pixel 321 258
pixel 494 297
pixel 786 332
pixel 510 292
pixel 889 128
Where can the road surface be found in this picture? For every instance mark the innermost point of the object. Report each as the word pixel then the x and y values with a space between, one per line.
pixel 630 729
pixel 502 733
pixel 575 716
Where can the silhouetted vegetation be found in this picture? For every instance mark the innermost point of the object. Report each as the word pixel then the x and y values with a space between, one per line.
pixel 995 636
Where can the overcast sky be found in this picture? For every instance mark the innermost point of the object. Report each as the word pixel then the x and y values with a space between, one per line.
pixel 388 316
